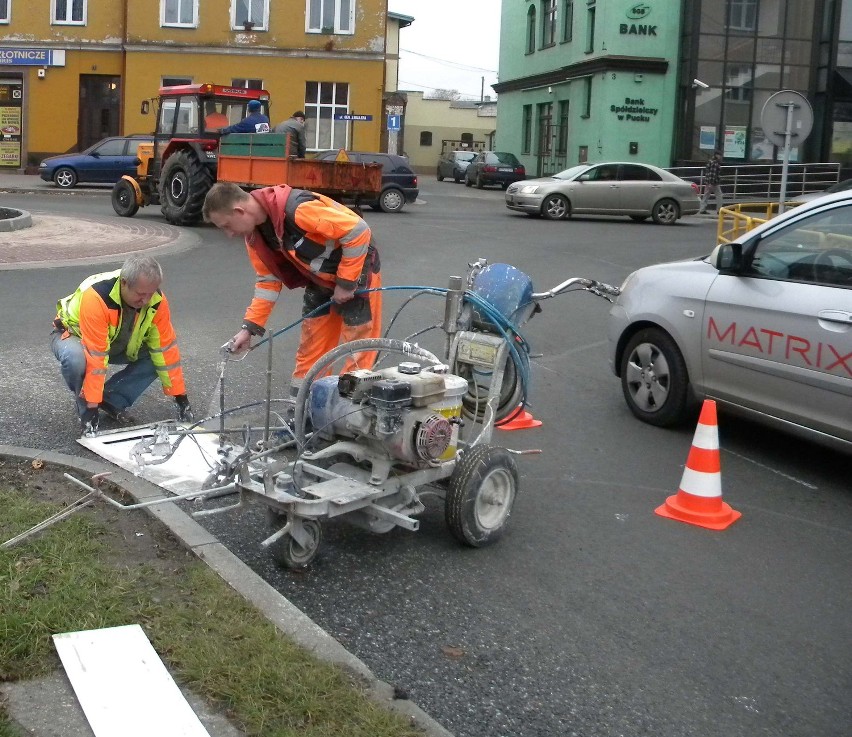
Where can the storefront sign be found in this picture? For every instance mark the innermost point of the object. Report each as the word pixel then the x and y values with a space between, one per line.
pixel 735 142
pixel 33 57
pixel 707 138
pixel 639 11
pixel 634 109
pixel 10 153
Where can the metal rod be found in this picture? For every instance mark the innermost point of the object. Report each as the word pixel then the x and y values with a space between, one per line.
pixel 268 393
pixel 53 519
pixel 152 502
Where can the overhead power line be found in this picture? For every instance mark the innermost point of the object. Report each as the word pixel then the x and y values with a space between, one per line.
pixel 472 95
pixel 450 63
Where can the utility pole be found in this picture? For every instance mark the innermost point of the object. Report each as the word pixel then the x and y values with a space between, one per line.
pixel 482 90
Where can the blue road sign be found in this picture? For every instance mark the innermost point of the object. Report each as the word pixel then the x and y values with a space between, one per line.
pixel 347 116
pixel 394 122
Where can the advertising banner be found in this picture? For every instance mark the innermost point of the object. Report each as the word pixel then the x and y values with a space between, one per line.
pixel 735 142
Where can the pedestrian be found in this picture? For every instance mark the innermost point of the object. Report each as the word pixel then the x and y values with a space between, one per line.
pixel 119 317
pixel 254 122
pixel 296 238
pixel 294 127
pixel 712 175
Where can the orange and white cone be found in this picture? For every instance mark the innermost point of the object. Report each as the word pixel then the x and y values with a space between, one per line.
pixel 699 498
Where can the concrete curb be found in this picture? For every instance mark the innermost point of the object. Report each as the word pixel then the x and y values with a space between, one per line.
pixel 270 603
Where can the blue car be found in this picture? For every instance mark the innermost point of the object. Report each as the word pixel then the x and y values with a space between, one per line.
pixel 107 161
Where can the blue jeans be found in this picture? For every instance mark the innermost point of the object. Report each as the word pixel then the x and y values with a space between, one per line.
pixel 121 390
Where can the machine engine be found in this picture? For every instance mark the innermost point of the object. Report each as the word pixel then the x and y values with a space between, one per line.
pixel 406 412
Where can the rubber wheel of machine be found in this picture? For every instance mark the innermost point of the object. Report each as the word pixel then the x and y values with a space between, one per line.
pixel 288 553
pixel 654 379
pixel 480 495
pixel 392 200
pixel 665 212
pixel 124 199
pixel 183 187
pixel 65 177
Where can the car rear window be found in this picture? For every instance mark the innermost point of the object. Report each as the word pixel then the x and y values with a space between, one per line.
pixel 465 155
pixel 501 157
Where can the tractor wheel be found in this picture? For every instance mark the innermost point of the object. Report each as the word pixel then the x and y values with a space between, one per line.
pixel 124 199
pixel 183 187
pixel 480 496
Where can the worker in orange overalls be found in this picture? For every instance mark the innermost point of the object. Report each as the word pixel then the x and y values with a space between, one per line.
pixel 296 238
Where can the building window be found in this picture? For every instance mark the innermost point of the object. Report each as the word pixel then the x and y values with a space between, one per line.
pixel 545 129
pixel 249 15
pixel 324 100
pixel 330 16
pixel 531 29
pixel 526 130
pixel 590 30
pixel 180 13
pixel 587 98
pixel 425 138
pixel 568 20
pixel 742 15
pixel 4 10
pixel 562 141
pixel 467 138
pixel 548 23
pixel 249 84
pixel 175 81
pixel 69 12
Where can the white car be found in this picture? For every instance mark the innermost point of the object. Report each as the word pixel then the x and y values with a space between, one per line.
pixel 763 326
pixel 638 191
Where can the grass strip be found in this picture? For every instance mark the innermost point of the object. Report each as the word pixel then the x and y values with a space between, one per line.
pixel 74 577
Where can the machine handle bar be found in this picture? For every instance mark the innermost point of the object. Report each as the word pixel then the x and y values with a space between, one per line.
pixel 602 289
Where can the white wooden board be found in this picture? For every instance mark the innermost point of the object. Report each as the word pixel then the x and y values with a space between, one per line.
pixel 123 686
pixel 184 472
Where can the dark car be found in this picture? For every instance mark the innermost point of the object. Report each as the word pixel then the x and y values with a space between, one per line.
pixel 399 182
pixel 107 161
pixel 453 164
pixel 494 167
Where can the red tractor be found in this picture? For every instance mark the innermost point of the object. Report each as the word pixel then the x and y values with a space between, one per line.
pixel 186 158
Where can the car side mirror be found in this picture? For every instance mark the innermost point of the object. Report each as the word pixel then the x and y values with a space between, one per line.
pixel 728 258
pixel 146 107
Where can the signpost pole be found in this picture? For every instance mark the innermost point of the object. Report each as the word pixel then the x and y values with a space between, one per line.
pixel 785 165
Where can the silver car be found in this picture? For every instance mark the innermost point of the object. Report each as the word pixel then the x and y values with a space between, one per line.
pixel 453 164
pixel 763 326
pixel 639 191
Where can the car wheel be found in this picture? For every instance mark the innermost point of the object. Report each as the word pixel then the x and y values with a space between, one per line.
pixel 440 176
pixel 654 378
pixel 124 199
pixel 65 177
pixel 555 207
pixel 665 212
pixel 479 183
pixel 392 200
pixel 639 218
pixel 467 182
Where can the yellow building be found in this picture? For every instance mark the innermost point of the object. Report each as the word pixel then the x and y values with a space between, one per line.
pixel 75 71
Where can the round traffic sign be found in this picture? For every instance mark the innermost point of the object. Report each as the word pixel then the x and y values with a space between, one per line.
pixel 773 118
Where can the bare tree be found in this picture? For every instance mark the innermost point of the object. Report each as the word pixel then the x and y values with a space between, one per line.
pixel 441 94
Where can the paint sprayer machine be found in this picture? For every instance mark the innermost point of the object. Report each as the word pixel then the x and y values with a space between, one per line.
pixel 364 446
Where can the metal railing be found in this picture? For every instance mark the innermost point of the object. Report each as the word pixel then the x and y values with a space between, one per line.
pixel 735 220
pixel 751 182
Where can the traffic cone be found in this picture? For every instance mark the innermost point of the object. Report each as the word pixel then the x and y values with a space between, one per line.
pixel 521 421
pixel 699 497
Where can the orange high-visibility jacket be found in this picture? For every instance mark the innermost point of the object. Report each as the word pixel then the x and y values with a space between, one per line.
pixel 318 239
pixel 93 314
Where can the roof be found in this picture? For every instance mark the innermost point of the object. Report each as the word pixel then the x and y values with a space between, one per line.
pixel 404 20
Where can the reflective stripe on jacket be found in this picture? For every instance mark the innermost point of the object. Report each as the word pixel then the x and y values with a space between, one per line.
pixel 93 314
pixel 322 239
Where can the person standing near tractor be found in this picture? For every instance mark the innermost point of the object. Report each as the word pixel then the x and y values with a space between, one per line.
pixel 712 175
pixel 296 238
pixel 254 122
pixel 294 127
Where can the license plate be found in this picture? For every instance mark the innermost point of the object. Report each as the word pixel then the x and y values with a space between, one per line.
pixel 505 168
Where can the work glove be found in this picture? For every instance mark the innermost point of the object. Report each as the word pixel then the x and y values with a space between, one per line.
pixel 184 408
pixel 89 422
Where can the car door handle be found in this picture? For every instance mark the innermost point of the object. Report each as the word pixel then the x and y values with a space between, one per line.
pixel 840 316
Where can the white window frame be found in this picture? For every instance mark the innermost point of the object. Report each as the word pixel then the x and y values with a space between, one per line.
pixel 264 26
pixel 342 25
pixel 8 16
pixel 69 5
pixel 312 110
pixel 177 24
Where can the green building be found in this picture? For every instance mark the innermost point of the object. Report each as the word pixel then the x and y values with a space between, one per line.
pixel 588 81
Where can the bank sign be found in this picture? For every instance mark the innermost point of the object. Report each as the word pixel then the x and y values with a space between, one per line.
pixel 33 57
pixel 638 14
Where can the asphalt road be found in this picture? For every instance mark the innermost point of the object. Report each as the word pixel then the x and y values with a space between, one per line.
pixel 592 616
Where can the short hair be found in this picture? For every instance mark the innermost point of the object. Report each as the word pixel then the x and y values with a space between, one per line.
pixel 141 267
pixel 298 114
pixel 221 197
pixel 254 105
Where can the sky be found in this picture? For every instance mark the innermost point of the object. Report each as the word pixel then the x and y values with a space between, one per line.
pixel 452 44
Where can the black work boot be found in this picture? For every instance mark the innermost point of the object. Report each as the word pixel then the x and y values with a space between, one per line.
pixel 119 415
